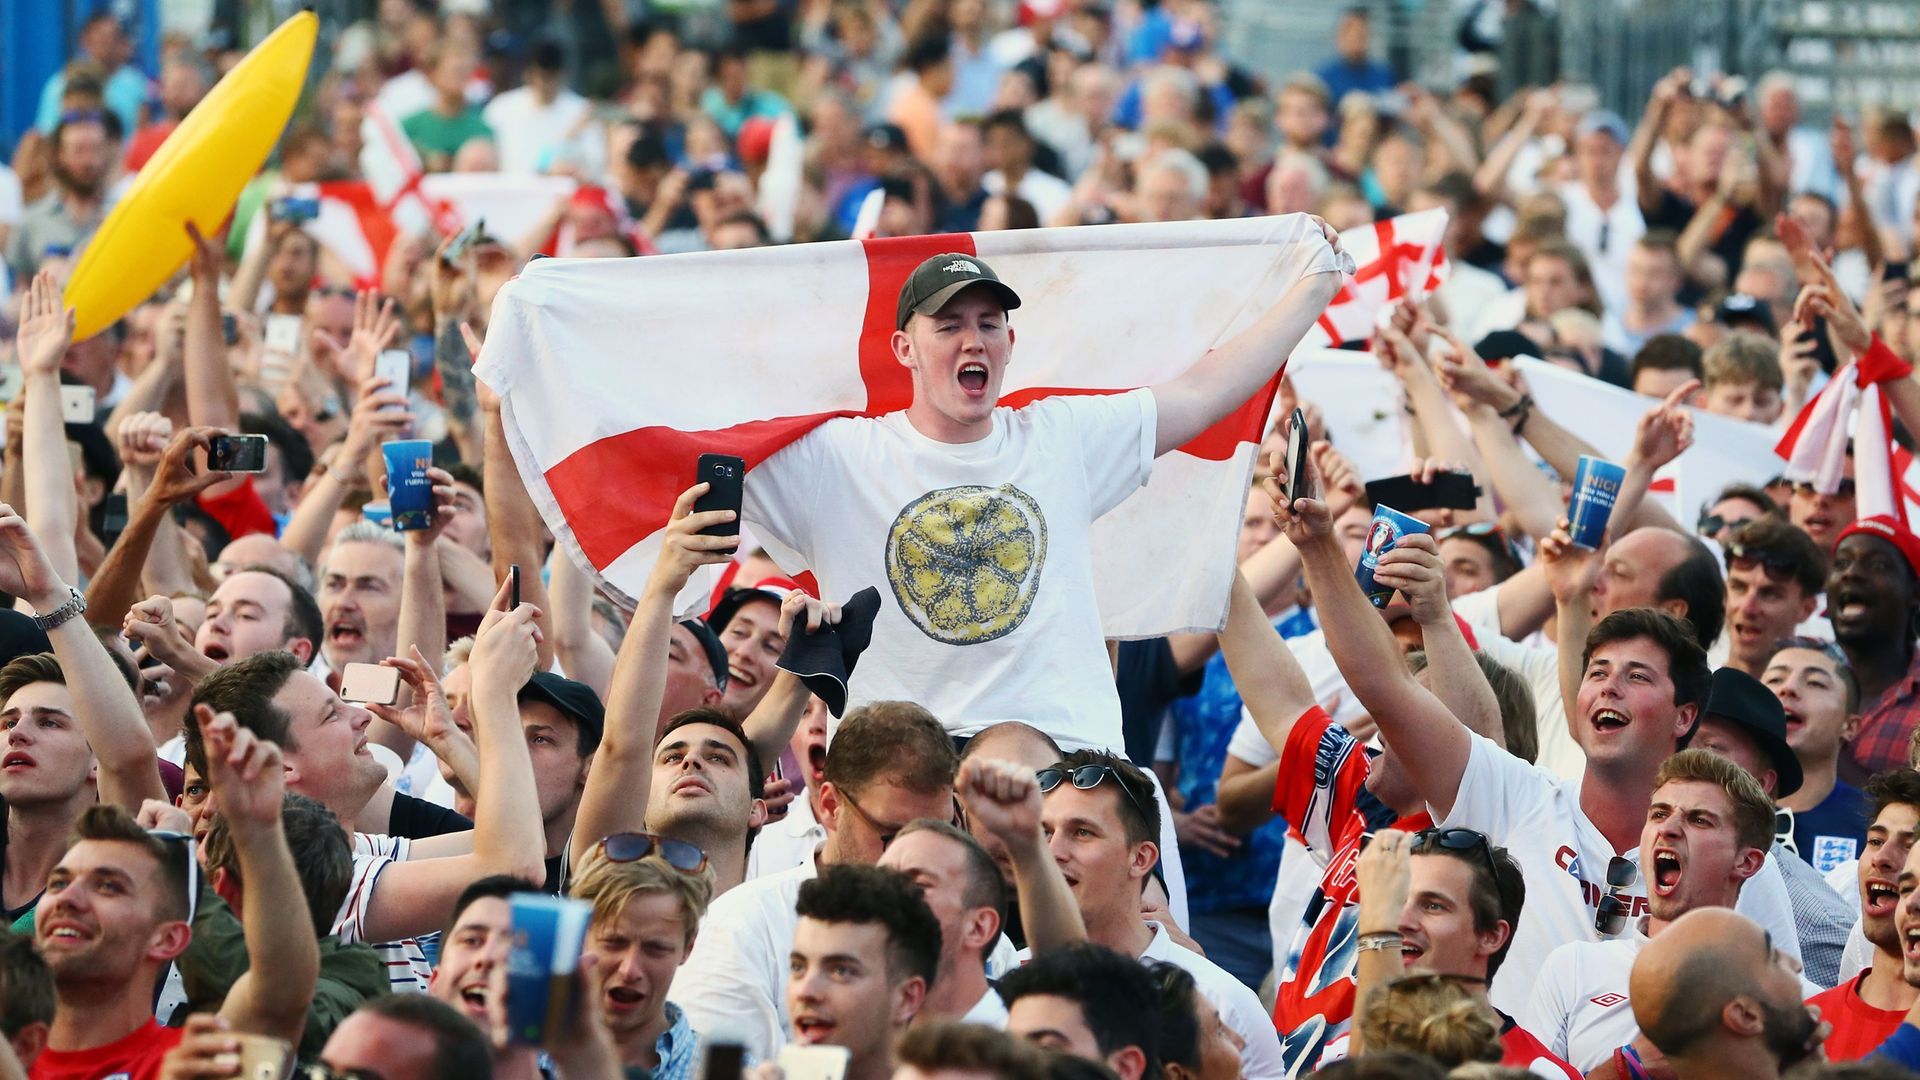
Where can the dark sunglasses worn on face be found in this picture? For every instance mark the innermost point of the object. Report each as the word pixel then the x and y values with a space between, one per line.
pixel 1086 777
pixel 634 846
pixel 1846 489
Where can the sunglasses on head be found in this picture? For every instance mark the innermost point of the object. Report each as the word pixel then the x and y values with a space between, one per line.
pixel 1614 908
pixel 1779 567
pixel 1086 777
pixel 1714 524
pixel 1845 490
pixel 1457 839
pixel 634 846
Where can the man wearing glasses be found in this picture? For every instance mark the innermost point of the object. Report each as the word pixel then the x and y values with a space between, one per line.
pixel 1103 824
pixel 1707 832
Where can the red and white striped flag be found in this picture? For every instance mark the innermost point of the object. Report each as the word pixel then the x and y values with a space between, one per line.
pixel 615 375
pixel 1398 257
pixel 1886 478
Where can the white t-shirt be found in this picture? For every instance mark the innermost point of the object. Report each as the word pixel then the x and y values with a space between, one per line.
pixel 989 1011
pixel 980 551
pixel 1579 1004
pixel 530 136
pixel 785 844
pixel 1604 237
pixel 407 967
pixel 1563 859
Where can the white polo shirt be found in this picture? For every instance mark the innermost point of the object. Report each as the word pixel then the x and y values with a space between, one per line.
pixel 1579 1004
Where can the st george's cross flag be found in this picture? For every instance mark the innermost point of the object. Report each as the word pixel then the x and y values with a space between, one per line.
pixel 616 375
pixel 1842 415
pixel 1399 257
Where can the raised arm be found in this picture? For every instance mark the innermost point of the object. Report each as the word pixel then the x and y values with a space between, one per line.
pixel 46 329
pixel 413 897
pixel 371 424
pixel 1492 408
pixel 1646 137
pixel 582 652
pixel 1276 692
pixel 1821 297
pixel 1490 179
pixel 615 799
pixel 1384 873
pixel 283 957
pixel 423 604
pixel 1454 676
pixel 772 722
pixel 1226 377
pixel 1434 413
pixel 426 718
pixel 1004 799
pixel 1431 742
pixel 104 706
pixel 212 398
pixel 116 586
pixel 1570 572
pixel 513 523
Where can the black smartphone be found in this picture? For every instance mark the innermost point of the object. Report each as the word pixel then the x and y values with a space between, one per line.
pixel 725 1061
pixel 229 328
pixel 1452 490
pixel 113 517
pixel 1297 444
pixel 722 473
pixel 513 586
pixel 1895 271
pixel 237 453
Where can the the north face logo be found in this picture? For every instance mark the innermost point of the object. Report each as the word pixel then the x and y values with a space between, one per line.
pixel 960 266
pixel 1608 1001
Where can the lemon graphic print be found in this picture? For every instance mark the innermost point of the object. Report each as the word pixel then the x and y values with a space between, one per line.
pixel 965 562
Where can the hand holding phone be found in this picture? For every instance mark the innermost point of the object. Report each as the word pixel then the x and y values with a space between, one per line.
pixel 77 404
pixel 237 453
pixel 1296 459
pixel 395 366
pixel 370 684
pixel 1449 490
pixel 513 586
pixel 724 475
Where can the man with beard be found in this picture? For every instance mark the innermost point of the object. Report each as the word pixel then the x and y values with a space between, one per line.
pixel 645 914
pixel 1868 1007
pixel 1873 599
pixel 1708 829
pixel 67 216
pixel 1718 998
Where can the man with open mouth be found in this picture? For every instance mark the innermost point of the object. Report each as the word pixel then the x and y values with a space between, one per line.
pixel 1707 832
pixel 1873 596
pixel 864 953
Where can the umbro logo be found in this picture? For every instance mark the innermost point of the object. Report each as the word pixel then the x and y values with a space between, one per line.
pixel 1608 1001
pixel 960 266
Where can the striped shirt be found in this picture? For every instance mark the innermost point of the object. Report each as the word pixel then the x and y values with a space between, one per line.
pixel 408 969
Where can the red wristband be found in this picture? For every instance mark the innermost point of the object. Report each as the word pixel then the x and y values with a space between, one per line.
pixel 1881 364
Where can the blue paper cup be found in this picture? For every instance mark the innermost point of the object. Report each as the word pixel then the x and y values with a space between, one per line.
pixel 547 934
pixel 1388 526
pixel 379 513
pixel 1596 485
pixel 409 492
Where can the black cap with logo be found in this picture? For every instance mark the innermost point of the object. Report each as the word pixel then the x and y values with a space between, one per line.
pixel 941 278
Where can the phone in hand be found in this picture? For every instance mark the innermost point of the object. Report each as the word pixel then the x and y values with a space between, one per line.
pixel 229 328
pixel 513 586
pixel 263 1057
pixel 724 1061
pixel 370 684
pixel 723 474
pixel 463 241
pixel 113 517
pixel 1296 459
pixel 1895 271
pixel 76 404
pixel 237 453
pixel 1451 490
pixel 283 334
pixel 799 1062
pixel 395 366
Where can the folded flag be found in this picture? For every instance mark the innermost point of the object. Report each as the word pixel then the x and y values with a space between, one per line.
pixel 1397 257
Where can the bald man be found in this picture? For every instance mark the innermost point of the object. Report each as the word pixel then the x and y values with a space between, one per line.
pixel 1721 1001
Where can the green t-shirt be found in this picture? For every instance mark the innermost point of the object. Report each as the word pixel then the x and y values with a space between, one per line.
pixel 435 135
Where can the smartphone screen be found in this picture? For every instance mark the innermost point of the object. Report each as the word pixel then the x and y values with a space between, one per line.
pixel 237 453
pixel 370 684
pixel 1296 456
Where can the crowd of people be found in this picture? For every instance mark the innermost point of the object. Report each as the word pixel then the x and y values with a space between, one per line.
pixel 1640 810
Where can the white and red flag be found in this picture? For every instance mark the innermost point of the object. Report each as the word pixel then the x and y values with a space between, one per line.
pixel 1398 257
pixel 616 375
pixel 1886 478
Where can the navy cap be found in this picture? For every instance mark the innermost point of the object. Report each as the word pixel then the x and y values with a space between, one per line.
pixel 575 700
pixel 710 644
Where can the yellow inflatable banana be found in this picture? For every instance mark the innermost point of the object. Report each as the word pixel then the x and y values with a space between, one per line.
pixel 195 176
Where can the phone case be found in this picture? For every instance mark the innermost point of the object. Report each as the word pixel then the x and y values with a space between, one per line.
pixel 396 366
pixel 1450 490
pixel 723 473
pixel 76 404
pixel 370 683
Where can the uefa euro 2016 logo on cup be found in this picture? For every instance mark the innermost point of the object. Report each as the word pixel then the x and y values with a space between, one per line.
pixel 1388 526
pixel 1596 486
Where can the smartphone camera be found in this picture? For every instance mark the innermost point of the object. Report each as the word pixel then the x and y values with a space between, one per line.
pixel 723 469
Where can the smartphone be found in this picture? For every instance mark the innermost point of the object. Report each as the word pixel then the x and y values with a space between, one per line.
pixel 370 684
pixel 76 404
pixel 229 328
pixel 722 473
pixel 113 517
pixel 11 379
pixel 1297 444
pixel 395 366
pixel 283 334
pixel 813 1062
pixel 293 208
pixel 237 453
pixel 513 586
pixel 1452 490
pixel 463 241
pixel 263 1057
pixel 1895 271
pixel 724 1061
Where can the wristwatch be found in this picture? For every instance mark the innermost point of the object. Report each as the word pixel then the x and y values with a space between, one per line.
pixel 76 603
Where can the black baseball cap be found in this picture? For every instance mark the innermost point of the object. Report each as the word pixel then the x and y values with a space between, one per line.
pixel 710 644
pixel 941 278
pixel 1744 701
pixel 1740 309
pixel 575 700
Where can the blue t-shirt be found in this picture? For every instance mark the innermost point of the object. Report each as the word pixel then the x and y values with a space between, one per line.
pixel 1834 831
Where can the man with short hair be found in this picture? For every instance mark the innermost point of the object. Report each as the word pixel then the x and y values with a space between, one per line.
pixel 708 789
pixel 1868 1007
pixel 409 1037
pixel 1708 829
pixel 962 886
pixel 1719 998
pixel 749 622
pixel 1774 575
pixel 645 915
pixel 1104 827
pixel 1873 597
pixel 1826 818
pixel 1652 308
pixel 948 1050
pixel 890 763
pixel 1663 364
pixel 360 582
pixel 478 939
pixel 1089 1002
pixel 26 997
pixel 119 908
pixel 1743 378
pixel 865 951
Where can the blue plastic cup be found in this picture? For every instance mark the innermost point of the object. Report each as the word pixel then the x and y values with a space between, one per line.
pixel 409 492
pixel 1596 485
pixel 1388 526
pixel 547 934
